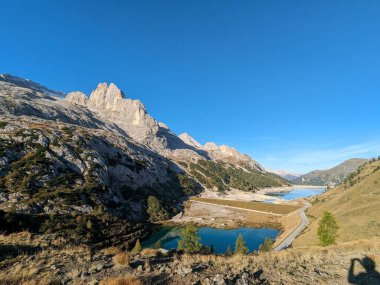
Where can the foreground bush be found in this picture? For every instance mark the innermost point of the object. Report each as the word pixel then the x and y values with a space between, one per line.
pixel 122 258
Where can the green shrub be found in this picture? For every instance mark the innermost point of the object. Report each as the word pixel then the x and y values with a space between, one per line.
pixel 328 229
pixel 267 245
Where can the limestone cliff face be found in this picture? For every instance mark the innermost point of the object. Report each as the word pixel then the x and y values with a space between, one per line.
pixel 77 98
pixel 110 103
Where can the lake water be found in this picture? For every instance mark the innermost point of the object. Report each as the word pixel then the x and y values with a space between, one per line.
pixel 219 238
pixel 298 193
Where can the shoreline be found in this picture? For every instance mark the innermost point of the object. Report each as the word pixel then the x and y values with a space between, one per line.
pixel 282 189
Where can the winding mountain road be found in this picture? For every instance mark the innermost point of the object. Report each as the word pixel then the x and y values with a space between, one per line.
pixel 286 242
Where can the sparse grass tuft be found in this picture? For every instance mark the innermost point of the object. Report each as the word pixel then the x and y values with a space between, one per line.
pixel 113 250
pixel 122 258
pixel 129 280
pixel 150 252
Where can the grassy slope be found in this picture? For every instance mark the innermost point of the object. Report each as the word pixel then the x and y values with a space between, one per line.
pixel 356 207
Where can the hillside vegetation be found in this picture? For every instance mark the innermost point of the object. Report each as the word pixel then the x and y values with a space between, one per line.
pixel 355 204
pixel 223 176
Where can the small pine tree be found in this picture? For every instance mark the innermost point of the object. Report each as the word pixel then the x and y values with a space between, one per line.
pixel 158 244
pixel 328 229
pixel 267 245
pixel 137 248
pixel 240 246
pixel 212 250
pixel 229 251
pixel 189 240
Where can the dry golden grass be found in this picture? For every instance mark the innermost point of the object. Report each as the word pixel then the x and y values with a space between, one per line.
pixel 256 206
pixel 129 280
pixel 112 250
pixel 292 257
pixel 356 208
pixel 150 252
pixel 122 258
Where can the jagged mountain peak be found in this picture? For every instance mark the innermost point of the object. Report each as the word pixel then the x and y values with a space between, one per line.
pixel 107 92
pixel 186 138
pixel 211 146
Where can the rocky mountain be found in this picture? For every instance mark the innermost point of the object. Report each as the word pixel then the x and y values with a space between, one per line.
pixel 110 104
pixel 286 174
pixel 223 153
pixel 82 164
pixel 332 176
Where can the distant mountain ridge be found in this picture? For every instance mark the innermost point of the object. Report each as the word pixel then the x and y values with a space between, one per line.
pixel 286 174
pixel 332 176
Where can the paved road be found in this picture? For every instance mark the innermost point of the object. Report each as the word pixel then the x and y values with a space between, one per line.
pixel 290 238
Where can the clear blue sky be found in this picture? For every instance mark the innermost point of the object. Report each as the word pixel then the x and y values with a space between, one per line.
pixel 295 84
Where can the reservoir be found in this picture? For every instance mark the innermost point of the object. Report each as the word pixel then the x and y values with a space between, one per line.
pixel 220 239
pixel 297 193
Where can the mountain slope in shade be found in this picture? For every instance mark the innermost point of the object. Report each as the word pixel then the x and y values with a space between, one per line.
pixel 332 176
pixel 355 204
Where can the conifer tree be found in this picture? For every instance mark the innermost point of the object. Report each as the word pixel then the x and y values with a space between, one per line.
pixel 240 246
pixel 189 239
pixel 137 248
pixel 328 229
pixel 229 251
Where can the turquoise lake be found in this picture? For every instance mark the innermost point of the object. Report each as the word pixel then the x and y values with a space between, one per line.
pixel 298 193
pixel 219 238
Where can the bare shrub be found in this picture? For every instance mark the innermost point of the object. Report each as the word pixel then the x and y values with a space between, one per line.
pixel 113 250
pixel 122 258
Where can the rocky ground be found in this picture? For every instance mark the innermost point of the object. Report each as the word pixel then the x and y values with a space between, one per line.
pixel 33 259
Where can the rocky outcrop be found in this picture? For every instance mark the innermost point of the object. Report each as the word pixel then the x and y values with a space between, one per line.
pixel 77 98
pixel 186 138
